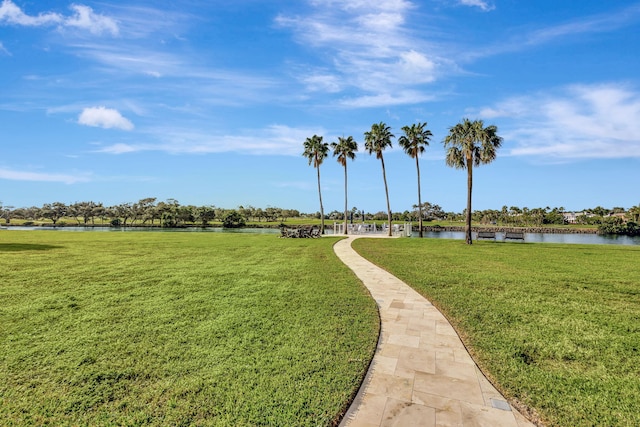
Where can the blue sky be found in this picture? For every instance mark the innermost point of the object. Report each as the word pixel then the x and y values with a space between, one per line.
pixel 209 102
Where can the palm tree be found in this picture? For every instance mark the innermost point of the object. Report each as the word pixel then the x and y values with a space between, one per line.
pixel 471 144
pixel 345 149
pixel 376 140
pixel 315 150
pixel 415 138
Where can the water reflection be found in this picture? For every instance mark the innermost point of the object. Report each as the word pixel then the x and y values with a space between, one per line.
pixel 573 238
pixel 589 239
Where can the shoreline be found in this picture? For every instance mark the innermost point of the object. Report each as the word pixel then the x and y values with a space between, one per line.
pixel 427 228
pixel 500 229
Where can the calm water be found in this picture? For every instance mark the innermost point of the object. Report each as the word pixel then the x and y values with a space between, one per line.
pixel 590 239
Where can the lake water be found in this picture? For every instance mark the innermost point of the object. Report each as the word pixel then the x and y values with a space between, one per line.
pixel 573 238
pixel 590 239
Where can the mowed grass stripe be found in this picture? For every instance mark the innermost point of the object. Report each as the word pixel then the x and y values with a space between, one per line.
pixel 178 329
pixel 557 326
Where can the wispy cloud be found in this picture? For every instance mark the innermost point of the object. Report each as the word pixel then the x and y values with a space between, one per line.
pixel 593 24
pixel 277 140
pixel 364 46
pixel 4 50
pixel 576 122
pixel 478 3
pixel 103 117
pixel 152 63
pixel 599 23
pixel 388 99
pixel 83 17
pixel 14 175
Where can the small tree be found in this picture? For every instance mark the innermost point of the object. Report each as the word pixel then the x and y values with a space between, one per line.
pixel 233 219
pixel 54 211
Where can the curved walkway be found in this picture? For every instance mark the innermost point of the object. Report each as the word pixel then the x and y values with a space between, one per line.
pixel 421 373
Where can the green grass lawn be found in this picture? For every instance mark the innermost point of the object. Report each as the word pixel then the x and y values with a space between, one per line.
pixel 556 326
pixel 108 328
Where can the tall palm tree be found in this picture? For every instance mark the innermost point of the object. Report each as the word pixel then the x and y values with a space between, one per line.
pixel 315 151
pixel 470 144
pixel 415 138
pixel 376 141
pixel 345 149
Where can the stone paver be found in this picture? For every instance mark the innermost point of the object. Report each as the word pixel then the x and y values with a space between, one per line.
pixel 421 373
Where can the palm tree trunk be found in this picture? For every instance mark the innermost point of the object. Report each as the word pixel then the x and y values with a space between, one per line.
pixel 321 207
pixel 469 185
pixel 419 199
pixel 386 190
pixel 345 197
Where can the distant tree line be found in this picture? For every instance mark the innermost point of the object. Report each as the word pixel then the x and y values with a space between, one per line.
pixel 146 212
pixel 609 221
pixel 171 214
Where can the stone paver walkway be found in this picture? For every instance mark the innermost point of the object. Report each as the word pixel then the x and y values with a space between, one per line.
pixel 421 374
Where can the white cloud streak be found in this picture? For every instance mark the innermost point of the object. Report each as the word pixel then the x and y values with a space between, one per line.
pixel 273 140
pixel 388 99
pixel 577 122
pixel 83 17
pixel 13 175
pixel 599 23
pixel 103 117
pixel 368 46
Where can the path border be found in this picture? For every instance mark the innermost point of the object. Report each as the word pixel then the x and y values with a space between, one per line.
pixel 421 373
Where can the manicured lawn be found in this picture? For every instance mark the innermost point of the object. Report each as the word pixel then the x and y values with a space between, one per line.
pixel 556 326
pixel 150 328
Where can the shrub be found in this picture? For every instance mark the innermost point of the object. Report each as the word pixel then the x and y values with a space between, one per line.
pixel 233 219
pixel 618 226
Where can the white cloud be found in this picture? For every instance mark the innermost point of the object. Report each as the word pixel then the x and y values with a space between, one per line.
pixel 478 3
pixel 121 148
pixel 593 24
pixel 413 64
pixel 13 175
pixel 83 18
pixel 387 99
pixel 580 121
pixel 322 82
pixel 277 140
pixel 367 46
pixel 362 4
pixel 12 14
pixel 4 50
pixel 105 118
